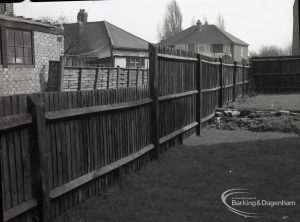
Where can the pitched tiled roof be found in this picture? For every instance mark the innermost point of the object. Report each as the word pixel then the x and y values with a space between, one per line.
pixel 100 34
pixel 123 39
pixel 21 19
pixel 208 34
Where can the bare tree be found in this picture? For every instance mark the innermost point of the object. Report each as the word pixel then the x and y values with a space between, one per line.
pixel 220 22
pixel 75 43
pixel 172 23
pixel 55 21
pixel 193 21
pixel 288 49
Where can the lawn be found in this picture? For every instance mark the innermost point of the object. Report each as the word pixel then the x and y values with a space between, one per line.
pixel 270 102
pixel 187 182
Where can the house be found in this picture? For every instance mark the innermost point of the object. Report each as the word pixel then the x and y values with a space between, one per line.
pixel 209 40
pixel 296 29
pixel 27 46
pixel 111 45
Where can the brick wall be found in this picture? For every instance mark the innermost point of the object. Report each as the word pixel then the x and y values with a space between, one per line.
pixel 7 8
pixel 20 80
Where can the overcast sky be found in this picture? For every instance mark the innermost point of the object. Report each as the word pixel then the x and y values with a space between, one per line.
pixel 257 22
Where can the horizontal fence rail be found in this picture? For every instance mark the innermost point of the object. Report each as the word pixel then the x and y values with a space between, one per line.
pixel 60 148
pixel 280 73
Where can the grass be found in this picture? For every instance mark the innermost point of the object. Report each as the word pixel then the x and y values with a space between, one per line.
pixel 270 102
pixel 187 182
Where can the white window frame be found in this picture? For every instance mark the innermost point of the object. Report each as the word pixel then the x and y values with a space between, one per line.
pixel 226 48
pixel 207 48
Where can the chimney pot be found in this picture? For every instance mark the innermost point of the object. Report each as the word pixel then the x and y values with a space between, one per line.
pixel 198 24
pixel 82 16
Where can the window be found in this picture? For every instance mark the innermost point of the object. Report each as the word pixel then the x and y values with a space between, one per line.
pixel 217 48
pixel 242 51
pixel 134 62
pixel 226 48
pixel 200 48
pixel 207 48
pixel 181 47
pixel 18 46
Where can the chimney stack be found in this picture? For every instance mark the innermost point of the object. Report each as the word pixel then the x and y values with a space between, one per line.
pixel 82 16
pixel 198 24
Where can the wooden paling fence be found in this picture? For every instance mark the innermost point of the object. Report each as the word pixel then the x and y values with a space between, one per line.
pixel 60 148
pixel 281 73
pixel 69 77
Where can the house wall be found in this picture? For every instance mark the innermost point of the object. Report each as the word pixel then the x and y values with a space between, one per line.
pixel 19 79
pixel 237 56
pixel 120 62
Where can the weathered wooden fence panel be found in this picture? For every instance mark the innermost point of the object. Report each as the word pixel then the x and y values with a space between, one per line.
pixel 65 76
pixel 280 73
pixel 177 93
pixel 15 125
pixel 210 87
pixel 60 148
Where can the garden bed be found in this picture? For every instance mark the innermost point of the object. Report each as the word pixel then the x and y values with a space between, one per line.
pixel 257 121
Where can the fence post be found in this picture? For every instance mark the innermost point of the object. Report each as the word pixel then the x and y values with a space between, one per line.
pixel 96 78
pixel 143 77
pixel 118 77
pixel 137 77
pixel 38 156
pixel 251 79
pixel 153 83
pixel 221 83
pixel 128 77
pixel 62 61
pixel 79 78
pixel 243 79
pixel 108 76
pixel 199 95
pixel 234 81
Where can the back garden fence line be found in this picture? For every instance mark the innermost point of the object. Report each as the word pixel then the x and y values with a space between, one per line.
pixel 60 148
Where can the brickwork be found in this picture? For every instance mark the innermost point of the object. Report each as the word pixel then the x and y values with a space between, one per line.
pixel 19 79
pixel 7 8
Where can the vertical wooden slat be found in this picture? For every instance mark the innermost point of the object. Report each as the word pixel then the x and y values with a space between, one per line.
pixel 61 73
pixel 153 83
pixel 39 154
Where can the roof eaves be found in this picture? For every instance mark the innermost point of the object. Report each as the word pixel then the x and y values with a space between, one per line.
pixel 108 33
pixel 125 31
pixel 234 42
